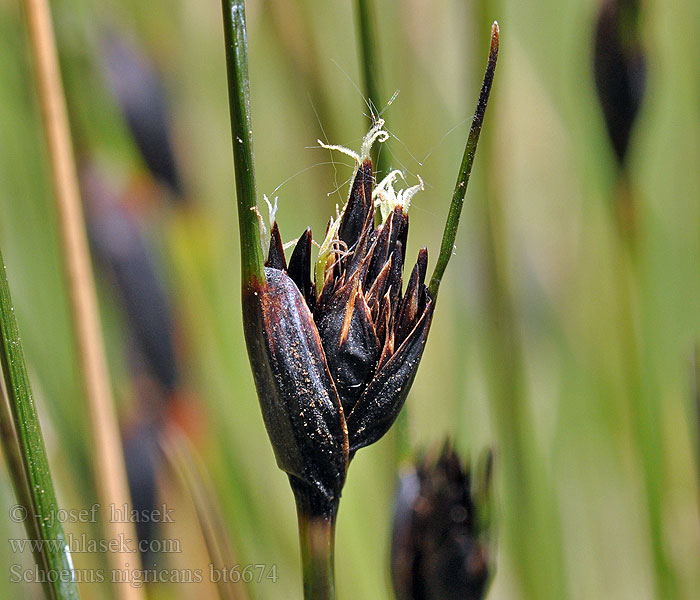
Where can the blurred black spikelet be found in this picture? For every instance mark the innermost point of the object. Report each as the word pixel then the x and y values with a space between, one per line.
pixel 123 253
pixel 619 70
pixel 441 546
pixel 120 246
pixel 140 94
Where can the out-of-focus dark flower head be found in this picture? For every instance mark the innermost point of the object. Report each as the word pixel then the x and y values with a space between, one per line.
pixel 141 455
pixel 441 546
pixel 139 92
pixel 620 69
pixel 118 243
pixel 335 356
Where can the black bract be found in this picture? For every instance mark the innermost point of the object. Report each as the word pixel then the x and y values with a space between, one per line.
pixel 334 358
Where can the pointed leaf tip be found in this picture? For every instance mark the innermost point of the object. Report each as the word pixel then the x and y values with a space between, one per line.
pixel 450 233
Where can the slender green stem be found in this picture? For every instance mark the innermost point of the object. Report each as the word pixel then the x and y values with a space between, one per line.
pixel 317 540
pixel 316 518
pixel 236 42
pixel 369 59
pixel 448 237
pixel 11 448
pixel 34 488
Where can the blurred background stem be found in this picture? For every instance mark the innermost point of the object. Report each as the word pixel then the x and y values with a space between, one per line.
pixel 370 63
pixel 645 414
pixel 109 462
pixel 530 517
pixel 192 475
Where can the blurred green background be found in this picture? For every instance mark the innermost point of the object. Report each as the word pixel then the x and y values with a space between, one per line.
pixel 557 342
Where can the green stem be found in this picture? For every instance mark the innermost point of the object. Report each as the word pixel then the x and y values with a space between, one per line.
pixel 316 519
pixel 31 475
pixel 369 59
pixel 236 41
pixel 448 237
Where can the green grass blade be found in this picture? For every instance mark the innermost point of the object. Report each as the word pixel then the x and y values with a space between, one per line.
pixel 236 42
pixel 34 488
pixel 448 238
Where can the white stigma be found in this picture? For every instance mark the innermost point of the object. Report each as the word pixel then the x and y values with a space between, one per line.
pixel 377 133
pixel 272 209
pixel 272 214
pixel 386 198
pixel 331 246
